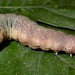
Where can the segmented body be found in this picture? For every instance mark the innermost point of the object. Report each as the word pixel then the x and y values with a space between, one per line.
pixel 26 31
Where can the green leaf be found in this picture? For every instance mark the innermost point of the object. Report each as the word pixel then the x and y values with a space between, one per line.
pixel 16 59
pixel 22 60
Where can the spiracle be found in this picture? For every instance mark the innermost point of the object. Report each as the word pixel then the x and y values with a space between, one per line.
pixel 28 32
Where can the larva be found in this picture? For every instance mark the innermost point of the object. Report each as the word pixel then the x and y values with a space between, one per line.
pixel 26 31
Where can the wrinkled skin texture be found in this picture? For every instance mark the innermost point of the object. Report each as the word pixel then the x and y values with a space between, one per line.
pixel 26 31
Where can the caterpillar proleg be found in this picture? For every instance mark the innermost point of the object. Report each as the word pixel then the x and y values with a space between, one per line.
pixel 28 32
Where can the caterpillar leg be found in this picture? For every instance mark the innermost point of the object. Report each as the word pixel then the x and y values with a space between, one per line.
pixel 56 53
pixel 70 55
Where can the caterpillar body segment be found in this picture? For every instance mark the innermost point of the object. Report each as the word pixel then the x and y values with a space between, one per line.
pixel 26 31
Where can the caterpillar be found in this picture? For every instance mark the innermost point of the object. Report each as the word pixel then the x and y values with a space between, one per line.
pixel 28 32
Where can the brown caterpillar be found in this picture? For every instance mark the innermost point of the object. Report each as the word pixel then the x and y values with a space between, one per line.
pixel 26 31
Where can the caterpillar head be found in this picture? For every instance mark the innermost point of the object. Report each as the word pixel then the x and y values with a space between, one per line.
pixel 1 35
